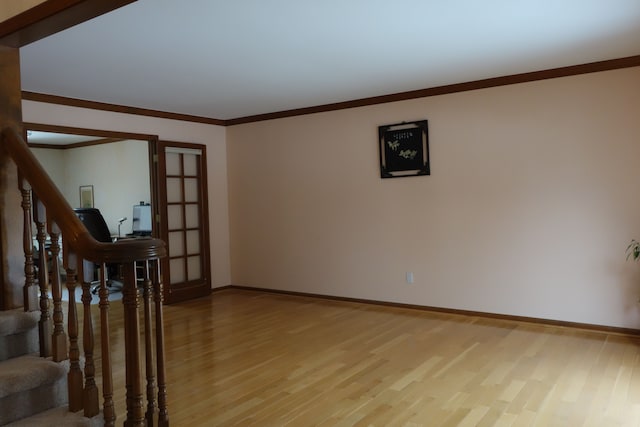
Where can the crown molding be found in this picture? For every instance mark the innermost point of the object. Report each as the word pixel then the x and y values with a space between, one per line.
pixel 76 144
pixel 94 105
pixel 592 67
pixel 86 131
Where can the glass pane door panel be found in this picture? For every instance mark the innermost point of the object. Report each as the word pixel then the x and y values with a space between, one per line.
pixel 174 217
pixel 173 163
pixel 176 268
pixel 193 220
pixel 176 243
pixel 193 242
pixel 174 190
pixel 193 267
pixel 191 164
pixel 183 220
pixel 191 189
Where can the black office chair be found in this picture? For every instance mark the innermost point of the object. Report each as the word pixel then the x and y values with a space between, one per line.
pixel 97 227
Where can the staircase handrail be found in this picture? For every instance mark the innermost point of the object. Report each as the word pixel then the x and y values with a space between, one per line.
pixel 58 209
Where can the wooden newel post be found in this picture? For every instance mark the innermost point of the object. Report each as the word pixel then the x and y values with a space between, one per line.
pixel 163 413
pixel 148 343
pixel 135 407
pixel 74 377
pixel 108 408
pixel 59 340
pixel 45 326
pixel 90 399
pixel 30 290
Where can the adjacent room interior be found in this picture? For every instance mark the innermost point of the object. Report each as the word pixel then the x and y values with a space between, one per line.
pixel 115 173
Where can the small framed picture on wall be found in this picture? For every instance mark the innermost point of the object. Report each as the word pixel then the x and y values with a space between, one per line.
pixel 404 149
pixel 86 196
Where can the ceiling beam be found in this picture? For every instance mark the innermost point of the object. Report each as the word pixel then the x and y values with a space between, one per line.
pixel 50 17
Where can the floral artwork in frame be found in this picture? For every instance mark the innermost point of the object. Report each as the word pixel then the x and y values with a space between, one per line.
pixel 404 149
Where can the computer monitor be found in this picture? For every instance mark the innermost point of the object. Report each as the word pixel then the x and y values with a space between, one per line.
pixel 141 220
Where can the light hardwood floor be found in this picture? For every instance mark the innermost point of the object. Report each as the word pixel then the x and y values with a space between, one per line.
pixel 259 359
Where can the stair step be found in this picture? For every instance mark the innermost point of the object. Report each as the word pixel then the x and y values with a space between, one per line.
pixel 17 321
pixel 59 417
pixel 18 333
pixel 30 385
pixel 28 372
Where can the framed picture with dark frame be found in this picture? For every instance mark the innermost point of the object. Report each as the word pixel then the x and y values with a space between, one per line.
pixel 86 196
pixel 404 149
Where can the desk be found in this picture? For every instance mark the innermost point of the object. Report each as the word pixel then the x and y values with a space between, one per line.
pixel 129 236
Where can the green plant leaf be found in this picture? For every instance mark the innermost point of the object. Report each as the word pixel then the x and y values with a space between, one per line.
pixel 633 250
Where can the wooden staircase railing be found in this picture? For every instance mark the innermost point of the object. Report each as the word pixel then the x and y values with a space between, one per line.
pixel 54 219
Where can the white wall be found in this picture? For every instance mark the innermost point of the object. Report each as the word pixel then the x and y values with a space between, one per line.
pixel 532 201
pixel 212 136
pixel 530 205
pixel 54 162
pixel 118 171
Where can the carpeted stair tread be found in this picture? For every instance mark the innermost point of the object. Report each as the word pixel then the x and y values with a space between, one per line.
pixel 58 417
pixel 17 321
pixel 28 372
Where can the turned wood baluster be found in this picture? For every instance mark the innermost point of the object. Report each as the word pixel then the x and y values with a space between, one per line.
pixel 44 324
pixel 90 396
pixel 59 341
pixel 163 413
pixel 108 409
pixel 148 344
pixel 74 377
pixel 135 406
pixel 30 290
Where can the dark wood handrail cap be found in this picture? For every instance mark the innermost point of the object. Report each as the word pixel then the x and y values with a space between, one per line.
pixel 120 251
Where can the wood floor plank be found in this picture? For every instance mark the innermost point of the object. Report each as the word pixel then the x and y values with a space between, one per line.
pixel 247 358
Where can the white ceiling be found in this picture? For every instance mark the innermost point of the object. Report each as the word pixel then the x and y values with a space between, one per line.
pixel 234 58
pixel 53 138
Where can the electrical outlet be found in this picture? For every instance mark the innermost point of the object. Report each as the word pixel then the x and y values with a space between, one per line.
pixel 409 276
